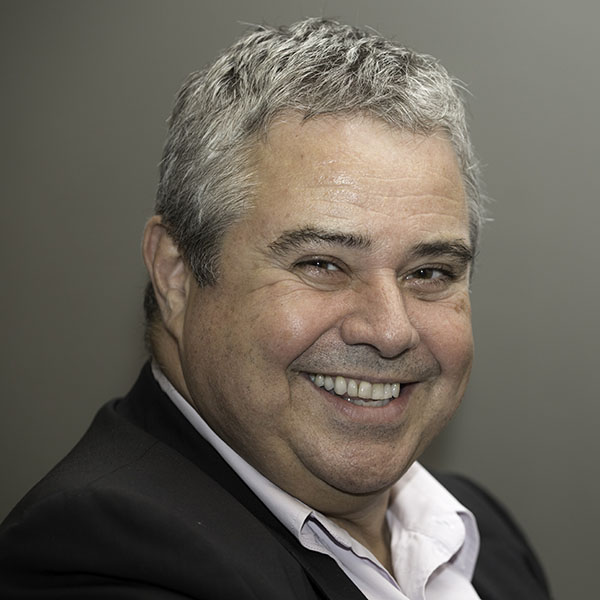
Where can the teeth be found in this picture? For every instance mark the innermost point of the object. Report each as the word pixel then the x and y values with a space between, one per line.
pixel 340 386
pixel 377 391
pixel 352 390
pixel 365 389
pixel 361 393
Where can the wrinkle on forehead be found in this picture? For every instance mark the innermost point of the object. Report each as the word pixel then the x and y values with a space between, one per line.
pixel 355 170
pixel 353 153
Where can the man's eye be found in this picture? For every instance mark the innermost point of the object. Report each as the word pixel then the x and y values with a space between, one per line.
pixel 318 264
pixel 429 273
pixel 323 264
pixel 431 276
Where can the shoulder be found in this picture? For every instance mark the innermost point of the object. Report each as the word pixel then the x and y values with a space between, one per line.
pixel 126 512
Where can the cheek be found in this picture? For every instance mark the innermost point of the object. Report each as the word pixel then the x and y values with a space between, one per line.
pixel 292 323
pixel 446 331
pixel 456 357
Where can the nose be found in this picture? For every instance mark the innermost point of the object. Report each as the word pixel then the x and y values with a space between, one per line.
pixel 378 317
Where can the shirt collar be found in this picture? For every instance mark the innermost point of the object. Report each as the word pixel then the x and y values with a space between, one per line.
pixel 422 507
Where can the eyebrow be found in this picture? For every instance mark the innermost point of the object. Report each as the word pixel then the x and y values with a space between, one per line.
pixel 298 238
pixel 455 249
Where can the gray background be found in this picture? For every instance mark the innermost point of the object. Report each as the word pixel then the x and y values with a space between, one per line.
pixel 86 88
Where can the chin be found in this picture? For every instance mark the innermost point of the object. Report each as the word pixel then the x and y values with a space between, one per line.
pixel 359 485
pixel 362 478
pixel 363 488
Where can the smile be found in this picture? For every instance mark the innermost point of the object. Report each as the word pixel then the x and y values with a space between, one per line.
pixel 358 392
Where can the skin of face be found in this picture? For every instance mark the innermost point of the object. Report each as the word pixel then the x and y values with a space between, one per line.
pixel 354 261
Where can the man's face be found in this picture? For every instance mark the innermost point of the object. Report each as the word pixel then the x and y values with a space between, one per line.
pixel 351 270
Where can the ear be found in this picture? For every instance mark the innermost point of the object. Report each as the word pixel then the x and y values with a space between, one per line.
pixel 169 274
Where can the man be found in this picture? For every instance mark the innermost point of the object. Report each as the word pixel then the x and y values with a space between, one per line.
pixel 309 323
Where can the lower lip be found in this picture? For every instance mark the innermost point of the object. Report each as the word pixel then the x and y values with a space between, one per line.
pixel 388 414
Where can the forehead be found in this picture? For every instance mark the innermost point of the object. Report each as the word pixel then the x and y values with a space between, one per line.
pixel 356 171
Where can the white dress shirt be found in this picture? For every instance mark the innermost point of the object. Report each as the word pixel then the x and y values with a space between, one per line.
pixel 434 539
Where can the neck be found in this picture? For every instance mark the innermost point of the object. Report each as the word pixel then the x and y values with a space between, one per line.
pixel 368 525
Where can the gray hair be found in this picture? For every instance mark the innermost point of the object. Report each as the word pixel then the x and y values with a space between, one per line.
pixel 314 67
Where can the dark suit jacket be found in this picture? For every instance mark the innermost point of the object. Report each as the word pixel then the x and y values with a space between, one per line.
pixel 144 508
